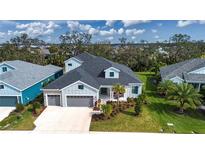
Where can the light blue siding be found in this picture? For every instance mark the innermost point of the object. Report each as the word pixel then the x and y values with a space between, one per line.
pixel 4 65
pixel 31 93
pixel 8 91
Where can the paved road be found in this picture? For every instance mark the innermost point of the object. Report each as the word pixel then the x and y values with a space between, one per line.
pixel 64 119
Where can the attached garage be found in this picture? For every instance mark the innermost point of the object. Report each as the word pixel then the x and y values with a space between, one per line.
pixel 80 101
pixel 8 100
pixel 53 100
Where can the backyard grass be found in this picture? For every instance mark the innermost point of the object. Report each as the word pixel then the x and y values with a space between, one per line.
pixel 154 116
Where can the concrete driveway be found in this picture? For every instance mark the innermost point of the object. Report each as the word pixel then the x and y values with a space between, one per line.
pixel 4 112
pixel 64 119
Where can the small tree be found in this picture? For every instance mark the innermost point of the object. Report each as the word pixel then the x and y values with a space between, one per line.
pixel 36 105
pixel 106 109
pixel 138 105
pixel 118 89
pixel 164 86
pixel 184 93
pixel 142 98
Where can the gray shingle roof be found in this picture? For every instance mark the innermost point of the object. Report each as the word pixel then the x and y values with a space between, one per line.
pixel 26 74
pixel 181 69
pixel 92 72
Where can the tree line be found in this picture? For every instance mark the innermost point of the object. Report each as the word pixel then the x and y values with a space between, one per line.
pixel 144 56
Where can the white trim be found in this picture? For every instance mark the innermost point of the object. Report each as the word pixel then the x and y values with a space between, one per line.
pixel 82 83
pixel 4 63
pixel 190 81
pixel 10 85
pixel 74 59
pixel 137 84
pixel 176 77
pixel 112 68
pixel 50 90
pixel 195 71
pixel 9 95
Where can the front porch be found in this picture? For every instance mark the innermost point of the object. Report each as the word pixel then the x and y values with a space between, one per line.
pixel 198 86
pixel 107 94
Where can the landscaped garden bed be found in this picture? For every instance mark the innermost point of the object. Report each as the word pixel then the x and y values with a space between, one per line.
pixel 159 115
pixel 116 108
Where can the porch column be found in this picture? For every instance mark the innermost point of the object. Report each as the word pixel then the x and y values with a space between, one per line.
pixel 199 86
pixel 110 93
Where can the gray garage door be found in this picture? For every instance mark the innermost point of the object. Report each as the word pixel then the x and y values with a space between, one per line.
pixel 54 100
pixel 8 101
pixel 79 101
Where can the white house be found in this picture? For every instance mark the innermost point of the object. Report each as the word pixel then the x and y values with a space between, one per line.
pixel 89 78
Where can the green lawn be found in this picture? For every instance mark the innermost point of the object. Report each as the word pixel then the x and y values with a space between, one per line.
pixel 154 116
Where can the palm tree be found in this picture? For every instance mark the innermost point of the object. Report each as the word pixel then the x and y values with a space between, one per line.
pixel 164 86
pixel 184 93
pixel 118 89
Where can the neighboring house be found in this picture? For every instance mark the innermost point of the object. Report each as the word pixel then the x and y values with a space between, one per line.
pixel 89 78
pixel 21 82
pixel 190 71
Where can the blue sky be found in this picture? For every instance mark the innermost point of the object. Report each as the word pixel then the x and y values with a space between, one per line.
pixel 103 30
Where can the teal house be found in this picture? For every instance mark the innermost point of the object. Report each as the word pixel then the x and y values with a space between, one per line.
pixel 22 82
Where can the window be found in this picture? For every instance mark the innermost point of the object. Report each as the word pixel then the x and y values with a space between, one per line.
pixel 69 64
pixel 4 69
pixel 111 74
pixel 80 86
pixel 135 89
pixel 103 91
pixel 1 86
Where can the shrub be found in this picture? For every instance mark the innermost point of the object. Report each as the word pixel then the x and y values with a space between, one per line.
pixel 35 106
pixel 107 109
pixel 137 108
pixel 129 100
pixel 19 107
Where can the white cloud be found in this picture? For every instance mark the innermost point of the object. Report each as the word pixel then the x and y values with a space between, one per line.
pixel 154 31
pixel 107 32
pixel 120 31
pixel 184 23
pixel 84 27
pixel 73 25
pixel 110 38
pixel 110 23
pixel 134 31
pixel 2 34
pixel 133 37
pixel 35 29
pixel 93 31
pixel 156 36
pixel 133 22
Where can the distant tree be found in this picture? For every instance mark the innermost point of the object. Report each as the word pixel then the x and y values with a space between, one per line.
pixel 180 38
pixel 75 42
